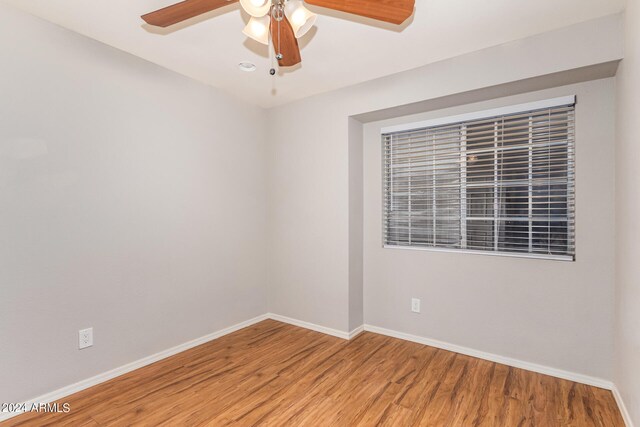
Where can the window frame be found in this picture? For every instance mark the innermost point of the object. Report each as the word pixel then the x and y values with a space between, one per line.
pixel 463 119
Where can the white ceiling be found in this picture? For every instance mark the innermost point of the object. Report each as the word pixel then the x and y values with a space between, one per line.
pixel 342 50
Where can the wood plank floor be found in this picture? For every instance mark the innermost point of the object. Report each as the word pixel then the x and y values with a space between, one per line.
pixel 273 374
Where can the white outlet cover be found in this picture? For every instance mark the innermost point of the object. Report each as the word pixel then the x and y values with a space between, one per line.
pixel 415 305
pixel 85 338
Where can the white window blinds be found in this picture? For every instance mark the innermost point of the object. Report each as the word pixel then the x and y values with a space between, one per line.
pixel 502 184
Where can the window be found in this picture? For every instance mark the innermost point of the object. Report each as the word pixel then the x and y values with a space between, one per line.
pixel 500 182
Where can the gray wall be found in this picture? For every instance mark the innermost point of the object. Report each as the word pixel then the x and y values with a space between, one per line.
pixel 132 200
pixel 552 313
pixel 356 238
pixel 312 214
pixel 627 366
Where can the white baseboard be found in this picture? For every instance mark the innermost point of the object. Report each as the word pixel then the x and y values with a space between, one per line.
pixel 314 327
pixel 106 376
pixel 311 326
pixel 623 409
pixel 558 373
pixel 357 331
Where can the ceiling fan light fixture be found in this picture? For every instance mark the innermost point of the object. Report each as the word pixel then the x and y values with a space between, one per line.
pixel 283 21
pixel 258 29
pixel 256 8
pixel 301 18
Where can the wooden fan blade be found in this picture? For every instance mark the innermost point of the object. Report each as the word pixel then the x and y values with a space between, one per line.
pixel 393 11
pixel 285 42
pixel 182 11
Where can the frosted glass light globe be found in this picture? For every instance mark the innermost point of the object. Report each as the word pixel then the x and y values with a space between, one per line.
pixel 301 18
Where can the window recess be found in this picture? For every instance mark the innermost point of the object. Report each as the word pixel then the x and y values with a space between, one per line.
pixel 498 182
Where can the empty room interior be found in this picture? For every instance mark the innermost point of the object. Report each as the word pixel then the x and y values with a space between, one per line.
pixel 320 213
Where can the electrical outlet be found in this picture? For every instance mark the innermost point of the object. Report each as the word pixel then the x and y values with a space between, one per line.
pixel 415 305
pixel 85 338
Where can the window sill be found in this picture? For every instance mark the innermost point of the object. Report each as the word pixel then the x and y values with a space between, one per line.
pixel 467 251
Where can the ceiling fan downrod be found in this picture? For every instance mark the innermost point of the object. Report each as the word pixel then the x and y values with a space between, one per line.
pixel 277 12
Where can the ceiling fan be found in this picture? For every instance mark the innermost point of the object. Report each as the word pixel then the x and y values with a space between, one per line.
pixel 283 21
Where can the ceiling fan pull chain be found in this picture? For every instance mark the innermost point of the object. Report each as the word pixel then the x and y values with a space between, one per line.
pixel 279 42
pixel 271 49
pixel 277 13
pixel 279 55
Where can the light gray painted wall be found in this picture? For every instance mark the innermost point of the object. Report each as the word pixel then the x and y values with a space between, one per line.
pixel 627 363
pixel 308 174
pixel 308 215
pixel 356 238
pixel 553 313
pixel 132 200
